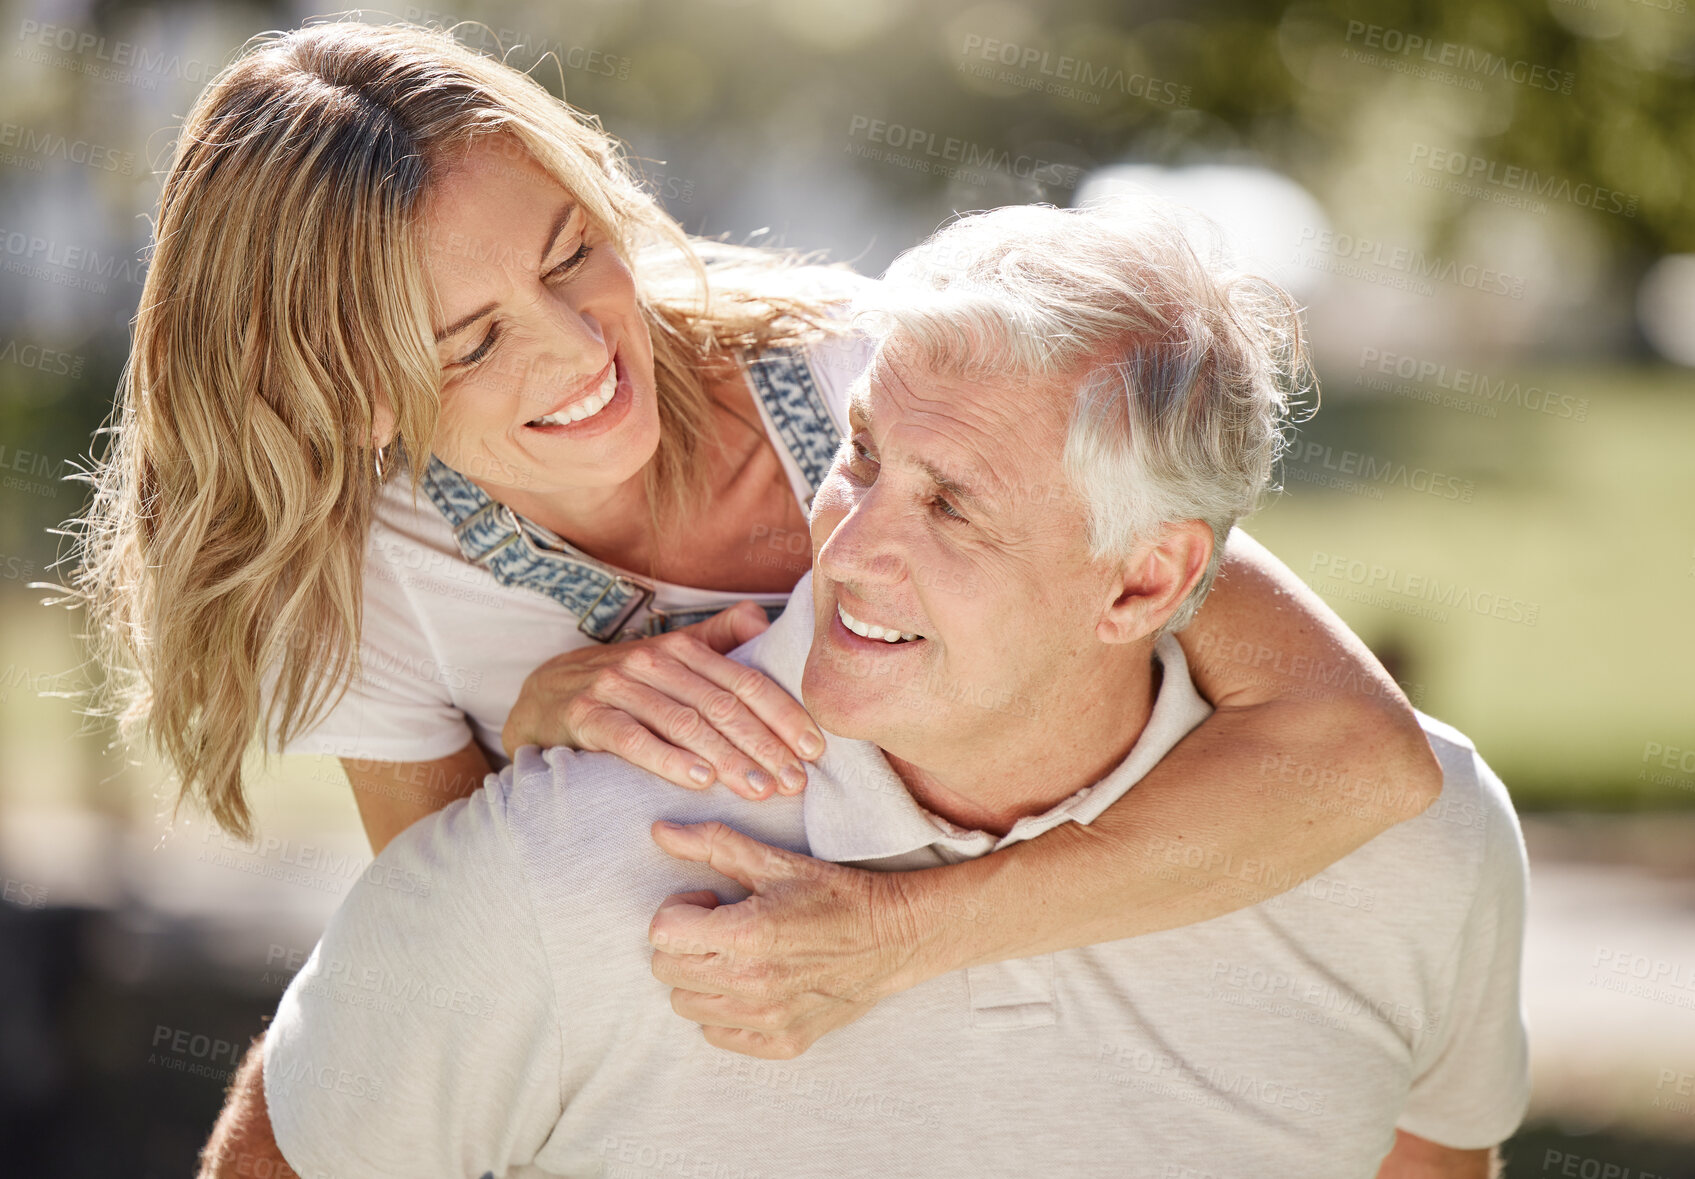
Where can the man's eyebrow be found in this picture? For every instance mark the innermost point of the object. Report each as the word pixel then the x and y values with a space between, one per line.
pixel 459 325
pixel 955 487
pixel 859 406
pixel 859 403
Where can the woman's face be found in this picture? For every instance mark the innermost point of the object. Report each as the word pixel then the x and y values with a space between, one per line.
pixel 547 364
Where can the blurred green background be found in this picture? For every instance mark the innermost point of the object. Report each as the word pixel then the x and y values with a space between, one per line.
pixel 1497 188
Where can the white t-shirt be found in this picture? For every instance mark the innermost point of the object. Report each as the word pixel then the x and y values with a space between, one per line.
pixel 446 647
pixel 501 1016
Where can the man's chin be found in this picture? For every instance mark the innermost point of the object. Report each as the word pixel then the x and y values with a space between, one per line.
pixel 842 704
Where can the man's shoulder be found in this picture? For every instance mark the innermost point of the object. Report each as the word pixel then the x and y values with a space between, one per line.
pixel 580 820
pixel 1474 800
pixel 1465 848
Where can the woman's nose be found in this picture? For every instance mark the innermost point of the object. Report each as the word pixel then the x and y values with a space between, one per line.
pixel 573 344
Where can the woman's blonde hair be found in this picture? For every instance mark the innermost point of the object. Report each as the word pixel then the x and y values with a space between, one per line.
pixel 287 300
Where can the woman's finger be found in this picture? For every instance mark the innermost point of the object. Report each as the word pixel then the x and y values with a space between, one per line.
pixel 780 712
pixel 730 628
pixel 668 716
pixel 613 730
pixel 707 683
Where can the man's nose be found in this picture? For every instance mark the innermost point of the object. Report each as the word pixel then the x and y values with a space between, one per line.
pixel 866 546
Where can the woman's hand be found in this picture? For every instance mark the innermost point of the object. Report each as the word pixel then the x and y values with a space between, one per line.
pixel 816 946
pixel 676 707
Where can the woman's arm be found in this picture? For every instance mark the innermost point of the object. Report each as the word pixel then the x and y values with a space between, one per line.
pixel 1312 751
pixel 392 795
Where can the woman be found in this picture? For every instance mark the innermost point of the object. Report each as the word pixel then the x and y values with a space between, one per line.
pixel 425 388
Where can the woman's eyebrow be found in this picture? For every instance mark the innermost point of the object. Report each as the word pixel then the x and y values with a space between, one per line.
pixel 453 329
pixel 559 223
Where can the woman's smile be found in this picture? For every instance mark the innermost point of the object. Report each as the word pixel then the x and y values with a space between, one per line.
pixel 594 414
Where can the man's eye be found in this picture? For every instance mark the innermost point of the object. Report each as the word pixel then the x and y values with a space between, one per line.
pixel 570 264
pixel 859 456
pixel 947 510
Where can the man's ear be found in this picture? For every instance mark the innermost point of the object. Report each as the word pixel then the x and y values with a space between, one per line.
pixel 1155 581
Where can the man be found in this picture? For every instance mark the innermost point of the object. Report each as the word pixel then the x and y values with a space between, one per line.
pixel 1066 414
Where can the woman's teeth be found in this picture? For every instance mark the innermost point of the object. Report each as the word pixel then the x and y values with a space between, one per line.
pixel 870 630
pixel 587 407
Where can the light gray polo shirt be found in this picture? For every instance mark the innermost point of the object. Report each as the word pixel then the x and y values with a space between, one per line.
pixel 497 1014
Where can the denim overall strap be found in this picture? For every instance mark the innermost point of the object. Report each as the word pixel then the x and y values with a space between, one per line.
pixel 784 384
pixel 521 553
pixel 490 534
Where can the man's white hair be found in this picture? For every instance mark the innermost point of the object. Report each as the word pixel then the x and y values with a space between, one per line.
pixel 1181 371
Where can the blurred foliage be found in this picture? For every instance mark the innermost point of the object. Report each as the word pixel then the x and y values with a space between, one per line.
pixel 744 114
pixel 724 89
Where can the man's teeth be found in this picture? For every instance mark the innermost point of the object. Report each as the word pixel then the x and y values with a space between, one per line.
pixel 587 407
pixel 871 630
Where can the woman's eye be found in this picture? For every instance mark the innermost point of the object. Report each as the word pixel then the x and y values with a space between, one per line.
pixel 482 350
pixel 570 264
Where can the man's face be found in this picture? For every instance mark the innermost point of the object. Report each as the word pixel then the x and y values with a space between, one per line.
pixel 947 515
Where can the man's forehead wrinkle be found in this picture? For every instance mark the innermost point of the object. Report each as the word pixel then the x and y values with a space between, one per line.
pixel 968 443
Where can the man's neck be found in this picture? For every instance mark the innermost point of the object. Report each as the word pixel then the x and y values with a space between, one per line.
pixel 1027 767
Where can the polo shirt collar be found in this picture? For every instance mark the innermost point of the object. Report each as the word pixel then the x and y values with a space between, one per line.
pixel 856 807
